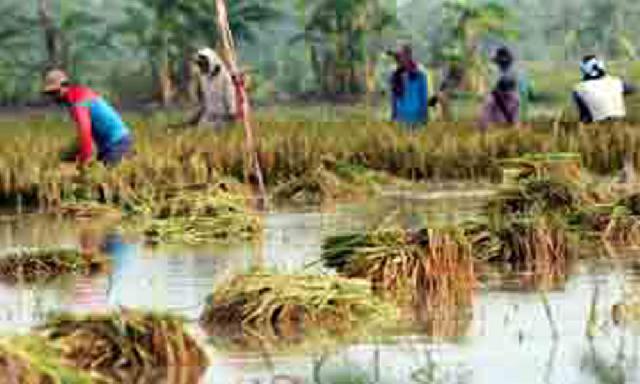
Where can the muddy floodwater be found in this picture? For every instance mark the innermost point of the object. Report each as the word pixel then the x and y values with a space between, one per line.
pixel 518 332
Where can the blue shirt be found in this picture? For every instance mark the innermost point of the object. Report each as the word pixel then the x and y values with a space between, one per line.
pixel 412 106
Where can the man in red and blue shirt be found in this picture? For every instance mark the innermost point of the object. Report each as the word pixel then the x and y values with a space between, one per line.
pixel 97 122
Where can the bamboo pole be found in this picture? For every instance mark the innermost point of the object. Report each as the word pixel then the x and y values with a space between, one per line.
pixel 243 104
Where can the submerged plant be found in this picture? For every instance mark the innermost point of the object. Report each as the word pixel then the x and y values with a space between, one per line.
pixel 40 264
pixel 128 345
pixel 287 307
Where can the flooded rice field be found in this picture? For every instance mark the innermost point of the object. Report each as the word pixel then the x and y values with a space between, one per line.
pixel 582 327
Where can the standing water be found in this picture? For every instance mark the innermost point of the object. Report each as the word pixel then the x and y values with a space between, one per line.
pixel 568 333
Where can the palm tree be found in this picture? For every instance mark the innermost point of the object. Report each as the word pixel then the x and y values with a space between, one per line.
pixel 341 35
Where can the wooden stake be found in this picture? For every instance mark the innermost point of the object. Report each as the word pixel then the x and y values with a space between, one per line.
pixel 243 104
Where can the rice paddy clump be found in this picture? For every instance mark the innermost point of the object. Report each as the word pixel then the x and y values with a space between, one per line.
pixel 535 251
pixel 623 228
pixel 201 216
pixel 32 265
pixel 313 187
pixel 332 180
pixel 30 360
pixel 417 263
pixel 532 196
pixel 128 345
pixel 541 246
pixel 287 307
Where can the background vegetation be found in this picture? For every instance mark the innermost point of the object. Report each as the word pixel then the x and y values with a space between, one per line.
pixel 137 51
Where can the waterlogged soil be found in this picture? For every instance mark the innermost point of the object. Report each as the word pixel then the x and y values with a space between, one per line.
pixel 518 333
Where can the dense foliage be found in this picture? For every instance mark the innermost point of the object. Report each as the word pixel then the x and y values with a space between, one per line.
pixel 138 50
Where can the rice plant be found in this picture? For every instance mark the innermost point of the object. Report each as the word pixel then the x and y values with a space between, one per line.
pixel 290 150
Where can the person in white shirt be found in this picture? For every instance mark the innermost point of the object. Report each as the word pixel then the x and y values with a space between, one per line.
pixel 599 96
pixel 217 92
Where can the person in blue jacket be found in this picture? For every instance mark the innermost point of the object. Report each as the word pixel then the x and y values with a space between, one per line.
pixel 409 87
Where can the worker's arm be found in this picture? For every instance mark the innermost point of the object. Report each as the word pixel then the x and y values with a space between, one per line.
pixel 424 95
pixel 628 88
pixel 194 119
pixel 82 118
pixel 585 113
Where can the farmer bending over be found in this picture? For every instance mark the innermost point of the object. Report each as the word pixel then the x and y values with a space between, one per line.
pixel 600 97
pixel 409 86
pixel 96 121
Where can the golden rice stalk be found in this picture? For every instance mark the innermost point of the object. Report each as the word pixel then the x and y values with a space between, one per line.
pixel 431 266
pixel 128 344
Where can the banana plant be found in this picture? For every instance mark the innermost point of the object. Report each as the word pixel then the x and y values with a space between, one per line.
pixel 344 37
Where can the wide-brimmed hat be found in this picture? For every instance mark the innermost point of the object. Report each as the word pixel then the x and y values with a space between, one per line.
pixel 54 80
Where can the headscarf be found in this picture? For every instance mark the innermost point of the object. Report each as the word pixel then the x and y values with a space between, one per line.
pixel 592 68
pixel 213 60
pixel 407 65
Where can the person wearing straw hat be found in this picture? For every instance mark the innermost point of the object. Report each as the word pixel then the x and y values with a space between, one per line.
pixel 599 97
pixel 98 124
pixel 217 92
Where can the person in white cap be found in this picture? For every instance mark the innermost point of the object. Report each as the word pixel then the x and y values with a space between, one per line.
pixel 217 92
pixel 600 97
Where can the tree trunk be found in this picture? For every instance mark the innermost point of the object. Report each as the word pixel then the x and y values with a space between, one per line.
pixel 165 81
pixel 51 35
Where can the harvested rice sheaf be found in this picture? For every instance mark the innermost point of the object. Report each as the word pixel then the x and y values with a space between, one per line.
pixel 537 195
pixel 31 265
pixel 129 346
pixel 623 228
pixel 202 230
pixel 288 307
pixel 31 360
pixel 521 241
pixel 415 262
pixel 535 253
pixel 202 217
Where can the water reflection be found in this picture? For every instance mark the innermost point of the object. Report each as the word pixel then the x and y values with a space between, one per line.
pixel 503 335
